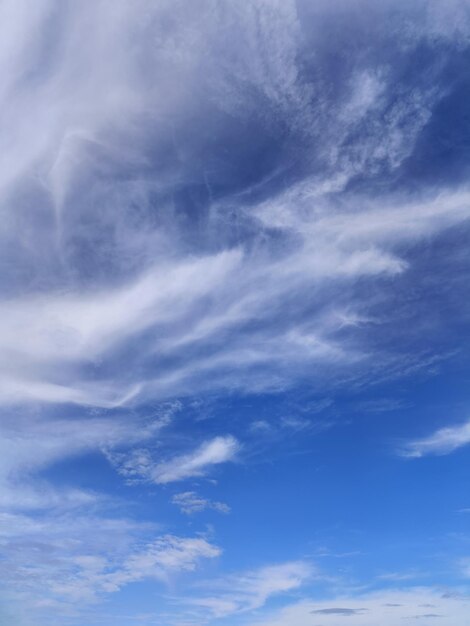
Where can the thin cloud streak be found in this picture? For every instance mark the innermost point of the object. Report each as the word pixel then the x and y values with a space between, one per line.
pixel 251 590
pixel 139 462
pixel 189 502
pixel 444 441
pixel 388 607
pixel 198 308
pixel 46 342
pixel 196 202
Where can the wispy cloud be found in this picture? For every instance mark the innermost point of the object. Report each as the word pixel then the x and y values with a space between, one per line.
pixel 204 310
pixel 140 463
pixel 387 607
pixel 251 590
pixel 158 560
pixel 30 444
pixel 442 441
pixel 190 502
pixel 197 463
pixel 194 202
pixel 69 568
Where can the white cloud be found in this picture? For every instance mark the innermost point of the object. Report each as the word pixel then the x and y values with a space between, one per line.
pixel 190 502
pixel 443 441
pixel 71 568
pixel 387 608
pixel 119 289
pixel 157 560
pixel 208 310
pixel 50 339
pixel 29 444
pixel 251 590
pixel 196 463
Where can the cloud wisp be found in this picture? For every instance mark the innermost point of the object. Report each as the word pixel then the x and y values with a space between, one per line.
pixel 251 590
pixel 69 570
pixel 443 441
pixel 189 502
pixel 205 199
pixel 193 293
pixel 387 607
pixel 139 463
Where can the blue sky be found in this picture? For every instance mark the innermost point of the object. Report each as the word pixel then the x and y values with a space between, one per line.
pixel 235 313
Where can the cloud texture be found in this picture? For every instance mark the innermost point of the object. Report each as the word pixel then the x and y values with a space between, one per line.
pixel 216 199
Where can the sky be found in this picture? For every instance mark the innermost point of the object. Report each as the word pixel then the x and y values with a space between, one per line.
pixel 235 313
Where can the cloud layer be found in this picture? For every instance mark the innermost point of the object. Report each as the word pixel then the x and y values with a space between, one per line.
pixel 205 201
pixel 148 248
pixel 421 605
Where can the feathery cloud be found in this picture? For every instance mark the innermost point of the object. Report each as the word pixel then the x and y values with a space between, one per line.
pixel 251 590
pixel 443 441
pixel 140 463
pixel 388 607
pixel 190 502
